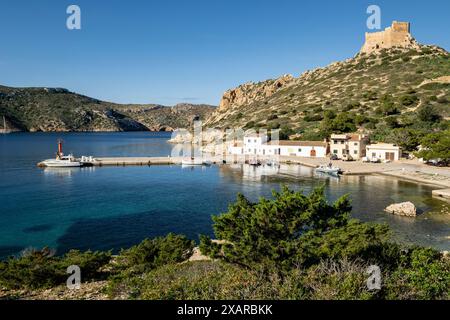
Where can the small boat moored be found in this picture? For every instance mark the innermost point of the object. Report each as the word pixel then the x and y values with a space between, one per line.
pixel 328 169
pixel 254 162
pixel 272 163
pixel 61 160
pixel 192 162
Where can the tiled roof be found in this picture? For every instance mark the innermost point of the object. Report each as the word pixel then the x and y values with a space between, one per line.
pixel 351 137
pixel 356 137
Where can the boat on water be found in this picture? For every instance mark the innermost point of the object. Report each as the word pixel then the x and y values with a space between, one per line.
pixel 328 169
pixel 254 162
pixel 272 163
pixel 61 160
pixel 68 161
pixel 194 162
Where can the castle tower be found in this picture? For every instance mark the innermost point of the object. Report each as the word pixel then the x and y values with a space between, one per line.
pixel 397 35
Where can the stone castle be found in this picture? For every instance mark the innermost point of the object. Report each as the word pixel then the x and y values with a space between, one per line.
pixel 397 35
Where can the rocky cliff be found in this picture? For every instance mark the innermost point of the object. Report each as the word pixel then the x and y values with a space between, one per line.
pixel 55 109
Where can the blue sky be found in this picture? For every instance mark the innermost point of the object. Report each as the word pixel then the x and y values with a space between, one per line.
pixel 146 51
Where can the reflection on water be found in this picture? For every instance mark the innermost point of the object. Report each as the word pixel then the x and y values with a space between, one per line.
pixel 369 195
pixel 115 207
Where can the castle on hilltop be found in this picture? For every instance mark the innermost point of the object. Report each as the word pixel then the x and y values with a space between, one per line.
pixel 397 35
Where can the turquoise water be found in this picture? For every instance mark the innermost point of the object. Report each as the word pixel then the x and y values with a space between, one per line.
pixel 116 207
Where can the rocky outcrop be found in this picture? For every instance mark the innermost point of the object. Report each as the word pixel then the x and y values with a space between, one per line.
pixel 252 91
pixel 407 209
pixel 246 94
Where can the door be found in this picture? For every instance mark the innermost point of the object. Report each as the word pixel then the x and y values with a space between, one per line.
pixel 390 156
pixel 313 153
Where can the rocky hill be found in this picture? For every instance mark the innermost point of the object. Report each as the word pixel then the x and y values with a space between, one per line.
pixel 373 90
pixel 56 109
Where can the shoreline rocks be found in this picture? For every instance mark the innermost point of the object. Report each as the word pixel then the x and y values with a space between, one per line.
pixel 406 209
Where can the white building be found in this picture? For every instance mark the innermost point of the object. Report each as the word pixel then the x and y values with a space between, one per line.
pixel 384 151
pixel 317 149
pixel 353 145
pixel 236 148
pixel 255 144
pixel 258 145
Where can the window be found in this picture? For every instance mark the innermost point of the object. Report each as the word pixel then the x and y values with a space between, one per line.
pixel 335 151
pixel 355 144
pixel 355 152
pixel 374 155
pixel 299 150
pixel 342 142
pixel 255 140
pixel 249 140
pixel 335 142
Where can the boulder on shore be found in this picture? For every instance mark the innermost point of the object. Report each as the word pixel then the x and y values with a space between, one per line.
pixel 407 209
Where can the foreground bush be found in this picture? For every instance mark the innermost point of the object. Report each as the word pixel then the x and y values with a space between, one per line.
pixel 41 269
pixel 291 229
pixel 152 253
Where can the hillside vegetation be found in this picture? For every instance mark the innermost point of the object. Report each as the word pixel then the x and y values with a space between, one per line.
pixel 397 88
pixel 54 109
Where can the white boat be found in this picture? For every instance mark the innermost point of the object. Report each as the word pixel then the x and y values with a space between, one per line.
pixel 272 163
pixel 254 162
pixel 192 162
pixel 328 170
pixel 62 162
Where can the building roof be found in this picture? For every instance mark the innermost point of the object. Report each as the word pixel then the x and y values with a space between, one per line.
pixel 357 137
pixel 339 136
pixel 383 146
pixel 298 143
pixel 350 136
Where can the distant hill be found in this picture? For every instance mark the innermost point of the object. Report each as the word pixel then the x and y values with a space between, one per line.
pixel 57 109
pixel 376 90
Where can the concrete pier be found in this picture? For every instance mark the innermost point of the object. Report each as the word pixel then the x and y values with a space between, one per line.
pixel 442 194
pixel 129 161
pixel 135 161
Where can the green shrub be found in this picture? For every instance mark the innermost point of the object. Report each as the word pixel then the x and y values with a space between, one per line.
pixel 250 125
pixel 408 100
pixel 407 138
pixel 337 280
pixel 152 253
pixel 313 117
pixel 41 269
pixel 424 275
pixel 436 146
pixel 290 229
pixel 429 113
